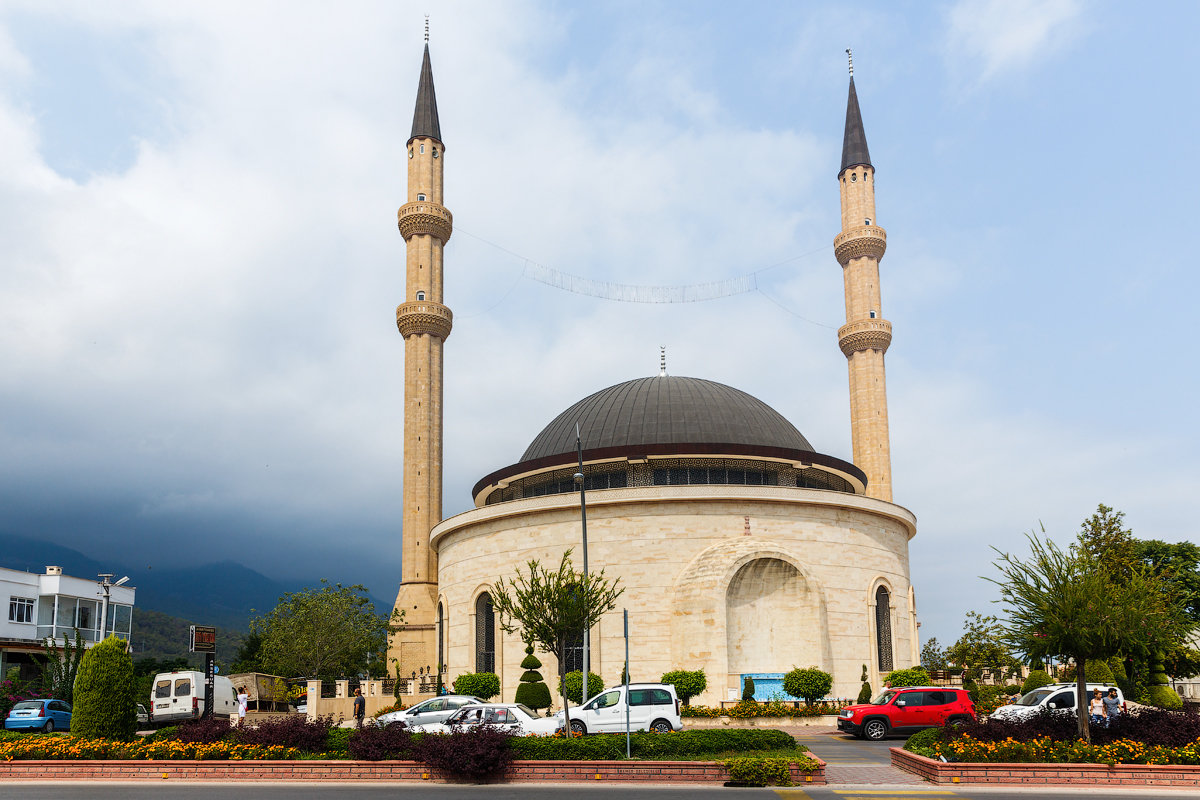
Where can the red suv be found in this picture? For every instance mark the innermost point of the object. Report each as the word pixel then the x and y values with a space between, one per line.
pixel 906 710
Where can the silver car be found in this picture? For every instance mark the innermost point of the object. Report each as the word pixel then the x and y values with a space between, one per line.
pixel 511 718
pixel 435 709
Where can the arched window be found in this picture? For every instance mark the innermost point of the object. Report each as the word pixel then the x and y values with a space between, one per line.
pixel 420 196
pixel 883 628
pixel 421 296
pixel 485 634
pixel 441 634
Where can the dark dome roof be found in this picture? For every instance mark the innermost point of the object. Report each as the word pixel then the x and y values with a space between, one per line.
pixel 667 410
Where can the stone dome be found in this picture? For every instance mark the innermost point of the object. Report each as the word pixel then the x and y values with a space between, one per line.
pixel 667 410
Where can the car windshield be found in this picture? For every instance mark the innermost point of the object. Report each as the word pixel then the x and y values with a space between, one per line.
pixel 884 697
pixel 1035 697
pixel 27 704
pixel 527 710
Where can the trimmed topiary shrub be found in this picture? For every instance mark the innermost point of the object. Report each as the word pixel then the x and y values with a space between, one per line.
pixel 759 771
pixel 105 693
pixel 864 694
pixel 686 743
pixel 811 684
pixel 1037 679
pixel 748 690
pixel 484 685
pixel 572 685
pixel 915 676
pixel 532 690
pixel 922 742
pixel 687 684
pixel 1164 697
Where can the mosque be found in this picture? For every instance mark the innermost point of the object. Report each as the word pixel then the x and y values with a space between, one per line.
pixel 742 550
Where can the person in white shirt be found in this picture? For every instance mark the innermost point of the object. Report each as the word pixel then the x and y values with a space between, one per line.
pixel 243 701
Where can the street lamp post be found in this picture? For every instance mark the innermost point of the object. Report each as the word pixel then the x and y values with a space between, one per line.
pixel 106 587
pixel 583 519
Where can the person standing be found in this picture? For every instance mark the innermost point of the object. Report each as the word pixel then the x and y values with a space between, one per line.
pixel 1096 711
pixel 243 700
pixel 1112 706
pixel 360 708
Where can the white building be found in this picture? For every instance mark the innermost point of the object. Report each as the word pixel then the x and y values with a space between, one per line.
pixel 52 605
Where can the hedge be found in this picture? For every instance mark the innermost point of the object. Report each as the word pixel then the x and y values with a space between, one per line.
pixel 650 745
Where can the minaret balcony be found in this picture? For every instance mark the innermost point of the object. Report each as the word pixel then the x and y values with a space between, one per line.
pixel 422 316
pixel 865 334
pixel 424 217
pixel 863 240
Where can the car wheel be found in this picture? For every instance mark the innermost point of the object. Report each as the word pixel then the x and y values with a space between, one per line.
pixel 578 728
pixel 48 727
pixel 875 729
pixel 661 726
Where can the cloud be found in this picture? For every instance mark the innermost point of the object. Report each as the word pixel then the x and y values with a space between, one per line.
pixel 999 36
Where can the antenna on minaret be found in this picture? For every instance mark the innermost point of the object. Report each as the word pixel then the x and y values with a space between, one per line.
pixel 427 31
pixel 849 52
pixel 662 361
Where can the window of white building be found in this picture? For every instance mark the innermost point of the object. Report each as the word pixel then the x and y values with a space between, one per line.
pixel 20 609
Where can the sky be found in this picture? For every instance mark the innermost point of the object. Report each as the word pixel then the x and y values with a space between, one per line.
pixel 199 261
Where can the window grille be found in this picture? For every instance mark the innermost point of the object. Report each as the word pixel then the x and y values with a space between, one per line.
pixel 485 634
pixel 883 628
pixel 573 653
pixel 441 628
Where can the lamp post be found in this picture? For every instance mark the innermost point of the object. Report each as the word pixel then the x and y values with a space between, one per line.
pixel 106 587
pixel 583 520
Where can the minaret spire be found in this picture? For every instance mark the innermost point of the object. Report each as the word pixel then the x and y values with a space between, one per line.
pixel 424 322
pixel 866 335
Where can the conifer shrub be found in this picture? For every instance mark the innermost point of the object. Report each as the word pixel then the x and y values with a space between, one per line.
pixel 532 690
pixel 748 690
pixel 687 683
pixel 484 685
pixel 105 693
pixel 864 694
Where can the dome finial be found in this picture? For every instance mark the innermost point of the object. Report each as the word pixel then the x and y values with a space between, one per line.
pixel 849 52
pixel 662 361
pixel 427 35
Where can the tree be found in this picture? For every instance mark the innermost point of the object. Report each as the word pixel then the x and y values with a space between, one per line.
pixel 913 676
pixel 532 690
pixel 484 685
pixel 1182 661
pixel 1068 603
pixel 322 633
pixel 810 684
pixel 62 665
pixel 553 606
pixel 572 684
pixel 687 683
pixel 933 655
pixel 105 705
pixel 981 645
pixel 249 655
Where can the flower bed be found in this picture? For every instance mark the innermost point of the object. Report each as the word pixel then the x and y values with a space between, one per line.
pixel 1142 775
pixel 772 708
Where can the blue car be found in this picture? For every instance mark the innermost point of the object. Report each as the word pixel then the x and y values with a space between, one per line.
pixel 41 715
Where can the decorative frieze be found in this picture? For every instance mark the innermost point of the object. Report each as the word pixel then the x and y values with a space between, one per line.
pixel 865 334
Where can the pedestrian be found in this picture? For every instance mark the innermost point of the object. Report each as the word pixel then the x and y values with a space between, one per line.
pixel 1096 710
pixel 1112 706
pixel 243 700
pixel 360 708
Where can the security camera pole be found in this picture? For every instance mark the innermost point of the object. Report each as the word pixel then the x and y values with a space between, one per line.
pixel 583 518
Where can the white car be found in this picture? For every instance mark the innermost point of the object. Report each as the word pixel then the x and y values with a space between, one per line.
pixel 652 706
pixel 435 709
pixel 1058 697
pixel 513 718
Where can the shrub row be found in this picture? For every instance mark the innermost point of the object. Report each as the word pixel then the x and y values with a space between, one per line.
pixel 650 745
pixel 773 708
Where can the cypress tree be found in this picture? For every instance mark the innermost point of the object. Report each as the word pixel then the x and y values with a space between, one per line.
pixel 105 693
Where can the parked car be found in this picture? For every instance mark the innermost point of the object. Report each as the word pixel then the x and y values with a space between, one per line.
pixel 435 709
pixel 906 710
pixel 176 696
pixel 1058 697
pixel 143 717
pixel 514 718
pixel 45 714
pixel 652 706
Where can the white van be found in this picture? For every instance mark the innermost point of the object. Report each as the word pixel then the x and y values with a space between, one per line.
pixel 176 696
pixel 1058 697
pixel 652 706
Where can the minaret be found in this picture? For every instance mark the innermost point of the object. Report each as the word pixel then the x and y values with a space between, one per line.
pixel 866 335
pixel 424 322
